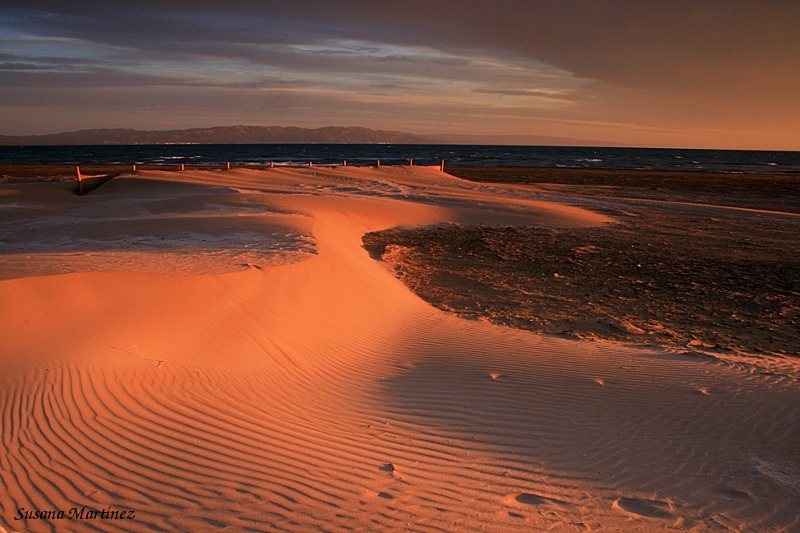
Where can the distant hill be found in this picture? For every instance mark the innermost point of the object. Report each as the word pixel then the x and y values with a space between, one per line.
pixel 517 139
pixel 221 135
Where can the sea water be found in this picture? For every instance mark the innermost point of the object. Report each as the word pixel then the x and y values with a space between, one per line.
pixel 422 154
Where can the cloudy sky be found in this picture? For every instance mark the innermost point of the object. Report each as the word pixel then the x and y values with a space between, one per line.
pixel 696 73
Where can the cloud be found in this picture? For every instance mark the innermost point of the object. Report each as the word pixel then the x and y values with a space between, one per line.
pixel 554 95
pixel 633 43
pixel 19 66
pixel 98 78
pixel 208 46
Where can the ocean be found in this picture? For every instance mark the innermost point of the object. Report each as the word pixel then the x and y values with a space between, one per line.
pixel 422 154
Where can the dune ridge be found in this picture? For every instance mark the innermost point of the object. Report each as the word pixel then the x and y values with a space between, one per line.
pixel 322 394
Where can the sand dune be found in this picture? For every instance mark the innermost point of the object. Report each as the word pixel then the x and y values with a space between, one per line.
pixel 258 371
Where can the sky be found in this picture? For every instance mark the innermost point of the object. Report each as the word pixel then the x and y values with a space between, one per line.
pixel 671 73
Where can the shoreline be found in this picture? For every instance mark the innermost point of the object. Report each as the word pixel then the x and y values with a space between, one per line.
pixel 478 173
pixel 778 191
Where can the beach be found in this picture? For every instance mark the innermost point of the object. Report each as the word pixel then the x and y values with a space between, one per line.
pixel 397 348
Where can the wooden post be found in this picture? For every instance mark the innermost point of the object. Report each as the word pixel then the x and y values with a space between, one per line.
pixel 411 162
pixel 441 167
pixel 228 165
pixel 80 183
pixel 133 168
pixel 379 162
pixel 272 164
pixel 182 167
pixel 345 163
pixel 310 164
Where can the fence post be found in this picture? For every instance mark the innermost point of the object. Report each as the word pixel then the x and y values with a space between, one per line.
pixel 182 167
pixel 228 165
pixel 80 183
pixel 272 164
pixel 379 162
pixel 133 168
pixel 344 164
pixel 411 162
pixel 441 166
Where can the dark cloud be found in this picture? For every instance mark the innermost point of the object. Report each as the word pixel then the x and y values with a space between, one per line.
pixel 685 45
pixel 19 67
pixel 42 77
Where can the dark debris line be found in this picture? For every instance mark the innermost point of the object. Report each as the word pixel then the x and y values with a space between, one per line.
pixel 659 279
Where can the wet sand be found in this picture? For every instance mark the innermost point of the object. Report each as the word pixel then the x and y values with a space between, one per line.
pixel 675 275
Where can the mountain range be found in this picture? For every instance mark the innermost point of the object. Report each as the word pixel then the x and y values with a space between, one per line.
pixel 221 135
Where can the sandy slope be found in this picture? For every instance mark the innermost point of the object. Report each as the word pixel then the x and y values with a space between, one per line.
pixel 217 387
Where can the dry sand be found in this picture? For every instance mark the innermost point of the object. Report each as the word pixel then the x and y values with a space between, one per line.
pixel 217 351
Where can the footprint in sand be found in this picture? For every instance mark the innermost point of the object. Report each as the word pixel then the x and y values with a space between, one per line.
pixel 534 499
pixel 530 499
pixel 735 495
pixel 641 507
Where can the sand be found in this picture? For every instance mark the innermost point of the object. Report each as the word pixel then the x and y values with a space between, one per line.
pixel 216 350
